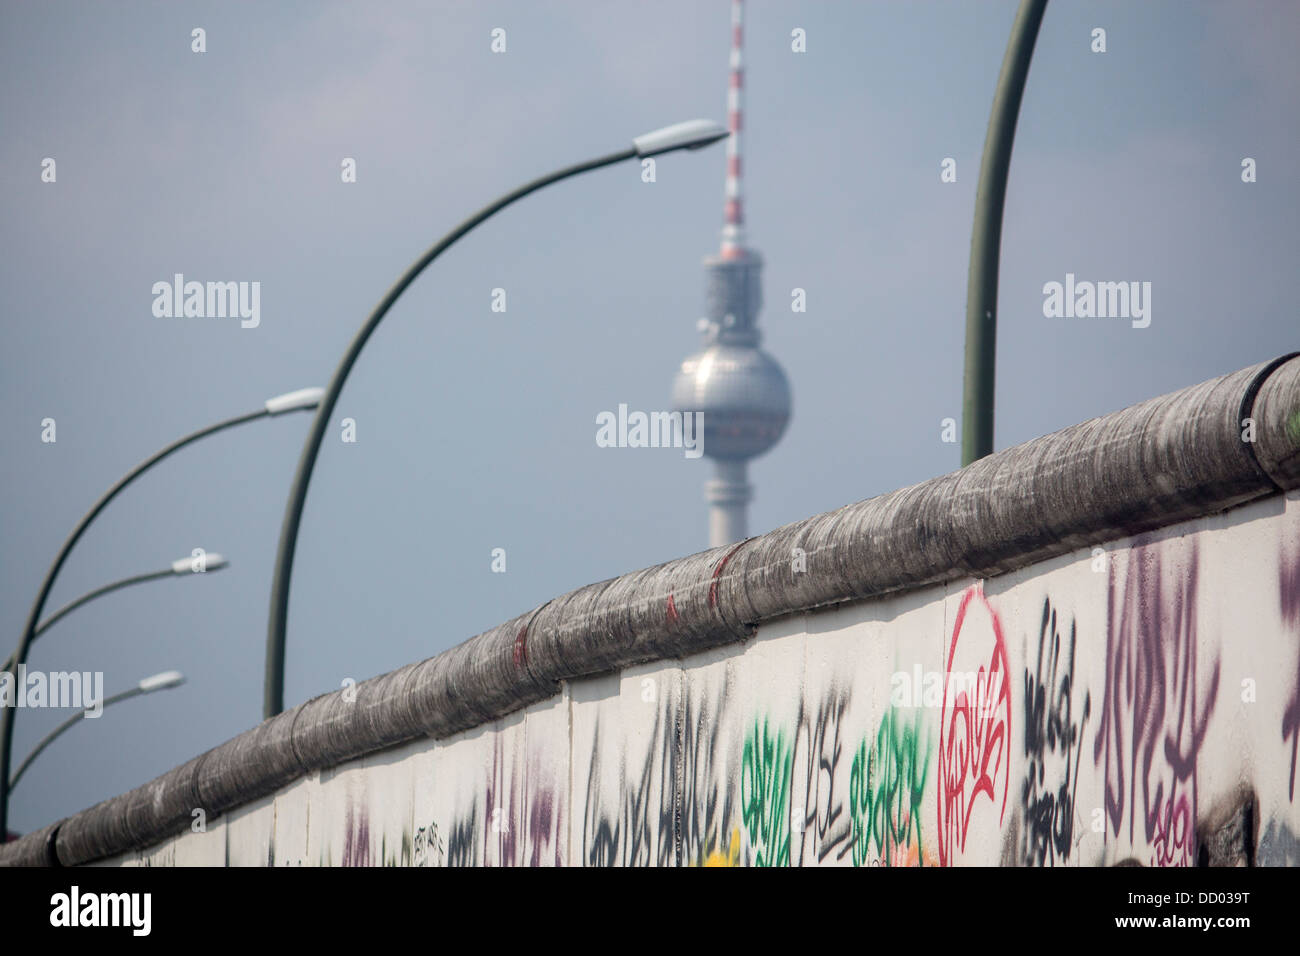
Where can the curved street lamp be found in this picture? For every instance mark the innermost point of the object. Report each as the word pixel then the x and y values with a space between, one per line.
pixel 693 134
pixel 302 399
pixel 178 568
pixel 149 685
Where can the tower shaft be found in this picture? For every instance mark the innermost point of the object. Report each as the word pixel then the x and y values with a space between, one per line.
pixel 734 300
pixel 728 495
pixel 741 391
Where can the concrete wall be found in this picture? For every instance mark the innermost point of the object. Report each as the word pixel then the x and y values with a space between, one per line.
pixel 1136 703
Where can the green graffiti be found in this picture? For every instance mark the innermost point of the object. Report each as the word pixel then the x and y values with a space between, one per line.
pixel 764 795
pixel 1293 427
pixel 886 785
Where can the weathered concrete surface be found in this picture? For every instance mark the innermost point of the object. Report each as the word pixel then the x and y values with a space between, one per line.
pixel 754 704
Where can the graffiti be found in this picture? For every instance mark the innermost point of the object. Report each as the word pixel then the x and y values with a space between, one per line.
pixel 501 803
pixel 1153 717
pixel 823 821
pixel 545 809
pixel 974 731
pixel 764 795
pixel 521 822
pixel 1279 846
pixel 1052 736
pixel 706 812
pixel 1289 593
pixel 886 786
pixel 1173 832
pixel 356 836
pixel 728 855
pixel 674 804
pixel 428 849
pixel 632 832
pixel 600 830
pixel 1225 835
pixel 523 811
pixel 462 840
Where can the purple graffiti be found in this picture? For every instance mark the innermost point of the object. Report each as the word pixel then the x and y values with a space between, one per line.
pixel 1289 595
pixel 1154 714
pixel 356 836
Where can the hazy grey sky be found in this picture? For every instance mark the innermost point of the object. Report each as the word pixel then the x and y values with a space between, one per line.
pixel 476 429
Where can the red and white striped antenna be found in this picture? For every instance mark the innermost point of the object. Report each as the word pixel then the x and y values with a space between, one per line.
pixel 733 229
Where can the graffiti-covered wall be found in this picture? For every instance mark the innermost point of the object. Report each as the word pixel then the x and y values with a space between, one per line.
pixel 1132 704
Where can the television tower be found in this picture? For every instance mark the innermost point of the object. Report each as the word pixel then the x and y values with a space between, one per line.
pixel 741 390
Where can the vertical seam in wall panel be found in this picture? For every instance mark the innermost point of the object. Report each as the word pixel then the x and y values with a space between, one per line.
pixel 569 855
pixel 678 772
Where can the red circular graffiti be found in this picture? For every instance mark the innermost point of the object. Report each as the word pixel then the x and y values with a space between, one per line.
pixel 974 734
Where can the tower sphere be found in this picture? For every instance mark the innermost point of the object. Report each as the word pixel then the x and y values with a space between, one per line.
pixel 744 395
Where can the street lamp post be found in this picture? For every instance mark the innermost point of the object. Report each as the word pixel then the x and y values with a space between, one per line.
pixel 149 685
pixel 693 134
pixel 303 399
pixel 179 567
pixel 986 236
